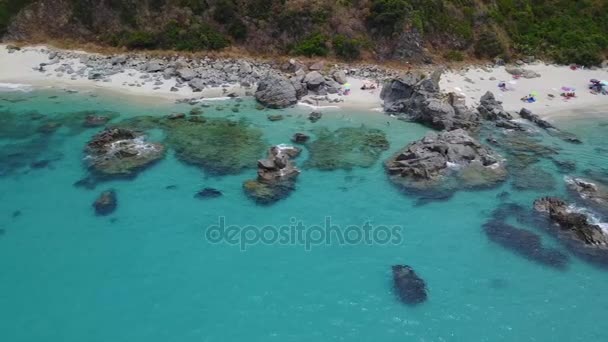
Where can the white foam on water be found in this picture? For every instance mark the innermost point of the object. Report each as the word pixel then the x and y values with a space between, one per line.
pixel 222 98
pixel 316 107
pixel 15 87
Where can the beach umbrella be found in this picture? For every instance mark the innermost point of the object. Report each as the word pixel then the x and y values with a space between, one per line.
pixel 568 89
pixel 347 86
pixel 534 93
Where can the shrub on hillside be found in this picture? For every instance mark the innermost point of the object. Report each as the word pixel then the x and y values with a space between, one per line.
pixel 313 45
pixel 347 48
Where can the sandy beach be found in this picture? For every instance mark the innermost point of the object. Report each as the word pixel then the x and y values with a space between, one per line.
pixel 474 82
pixel 18 70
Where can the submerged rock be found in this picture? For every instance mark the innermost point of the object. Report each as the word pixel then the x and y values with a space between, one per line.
pixel 419 99
pixel 300 138
pixel 208 193
pixel 409 287
pixel 96 120
pixel 345 148
pixel 277 117
pixel 574 228
pixel 219 146
pixel 106 203
pixel 121 152
pixel 315 116
pixel 276 176
pixel 446 160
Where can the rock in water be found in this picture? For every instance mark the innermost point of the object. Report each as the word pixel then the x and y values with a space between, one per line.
pixel 276 176
pixel 300 138
pixel 590 193
pixel 106 203
pixel 574 228
pixel 95 120
pixel 121 152
pixel 208 193
pixel 446 160
pixel 544 124
pixel 276 91
pixel 418 98
pixel 491 109
pixel 410 288
pixel 315 116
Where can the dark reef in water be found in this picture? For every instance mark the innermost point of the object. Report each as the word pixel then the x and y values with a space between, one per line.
pixel 521 241
pixel 207 193
pixel 574 229
pixel 346 148
pixel 409 287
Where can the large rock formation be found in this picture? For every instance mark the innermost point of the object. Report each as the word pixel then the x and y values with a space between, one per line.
pixel 276 176
pixel 121 152
pixel 410 288
pixel 575 229
pixel 419 99
pixel 276 91
pixel 544 124
pixel 446 160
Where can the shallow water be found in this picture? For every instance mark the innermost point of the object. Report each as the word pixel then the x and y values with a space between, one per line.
pixel 147 272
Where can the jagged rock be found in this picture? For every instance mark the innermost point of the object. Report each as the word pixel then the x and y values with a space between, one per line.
pixel 419 99
pixel 121 152
pixel 300 88
pixel 106 203
pixel 590 193
pixel 491 109
pixel 575 229
pixel 154 66
pixel 300 138
pixel 409 287
pixel 315 116
pixel 446 160
pixel 276 176
pixel 527 114
pixel 208 193
pixel 276 91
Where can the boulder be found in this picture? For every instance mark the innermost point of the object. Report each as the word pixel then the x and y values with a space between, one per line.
pixel 409 287
pixel 527 114
pixel 95 120
pixel 317 66
pixel 277 117
pixel 186 74
pixel 314 80
pixel 340 77
pixel 315 116
pixel 197 84
pixel 591 193
pixel 275 91
pixel 491 109
pixel 106 203
pixel 154 66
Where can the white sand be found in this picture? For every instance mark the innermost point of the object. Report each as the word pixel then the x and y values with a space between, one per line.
pixel 552 79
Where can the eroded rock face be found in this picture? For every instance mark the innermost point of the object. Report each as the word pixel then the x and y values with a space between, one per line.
pixel 574 228
pixel 418 98
pixel 277 176
pixel 446 160
pixel 276 91
pixel 121 152
pixel 409 287
pixel 491 109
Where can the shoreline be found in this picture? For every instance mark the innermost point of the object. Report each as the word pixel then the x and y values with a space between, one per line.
pixel 22 68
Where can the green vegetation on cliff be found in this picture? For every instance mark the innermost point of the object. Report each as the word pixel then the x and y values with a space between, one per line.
pixel 564 30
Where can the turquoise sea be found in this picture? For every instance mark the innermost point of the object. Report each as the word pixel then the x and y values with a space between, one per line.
pixel 147 272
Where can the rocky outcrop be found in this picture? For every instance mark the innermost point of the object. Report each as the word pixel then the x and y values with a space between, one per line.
pixel 300 138
pixel 446 160
pixel 418 98
pixel 276 91
pixel 574 228
pixel 409 287
pixel 106 203
pixel 277 176
pixel 207 193
pixel 544 124
pixel 121 152
pixel 491 109
pixel 590 193
pixel 521 241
